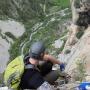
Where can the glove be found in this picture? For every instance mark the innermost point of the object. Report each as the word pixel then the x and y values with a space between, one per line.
pixel 62 67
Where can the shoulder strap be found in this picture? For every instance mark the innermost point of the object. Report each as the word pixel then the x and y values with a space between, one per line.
pixel 29 66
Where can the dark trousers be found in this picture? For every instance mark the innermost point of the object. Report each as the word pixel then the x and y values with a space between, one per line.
pixel 47 72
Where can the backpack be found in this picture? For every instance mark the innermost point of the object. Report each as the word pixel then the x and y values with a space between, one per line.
pixel 13 73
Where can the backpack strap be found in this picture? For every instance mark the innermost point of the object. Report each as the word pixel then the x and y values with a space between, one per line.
pixel 29 66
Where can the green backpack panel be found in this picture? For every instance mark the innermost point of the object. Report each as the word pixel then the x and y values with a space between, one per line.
pixel 13 73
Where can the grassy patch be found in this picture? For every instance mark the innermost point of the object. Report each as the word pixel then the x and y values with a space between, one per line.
pixel 1 79
pixel 79 34
pixel 80 75
pixel 10 35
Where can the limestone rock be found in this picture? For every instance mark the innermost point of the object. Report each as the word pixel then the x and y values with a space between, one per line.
pixel 80 51
pixel 58 43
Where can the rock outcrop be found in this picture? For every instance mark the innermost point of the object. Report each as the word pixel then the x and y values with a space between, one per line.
pixel 78 59
pixel 80 51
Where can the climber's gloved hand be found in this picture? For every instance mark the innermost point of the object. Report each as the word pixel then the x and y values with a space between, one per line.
pixel 62 66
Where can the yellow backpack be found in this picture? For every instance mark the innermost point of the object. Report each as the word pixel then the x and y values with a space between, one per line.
pixel 13 73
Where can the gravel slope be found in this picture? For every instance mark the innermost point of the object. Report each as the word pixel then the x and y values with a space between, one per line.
pixel 16 29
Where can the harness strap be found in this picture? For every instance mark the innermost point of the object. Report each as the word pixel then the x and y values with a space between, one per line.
pixel 29 66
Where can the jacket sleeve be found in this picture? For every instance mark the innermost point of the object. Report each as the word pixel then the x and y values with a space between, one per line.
pixel 45 86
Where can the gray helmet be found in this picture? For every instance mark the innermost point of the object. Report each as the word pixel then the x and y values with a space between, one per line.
pixel 36 49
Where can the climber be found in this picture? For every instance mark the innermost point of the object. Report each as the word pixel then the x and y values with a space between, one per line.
pixel 33 76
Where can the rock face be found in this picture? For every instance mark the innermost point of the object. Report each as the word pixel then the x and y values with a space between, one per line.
pixel 78 59
pixel 80 51
pixel 58 43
